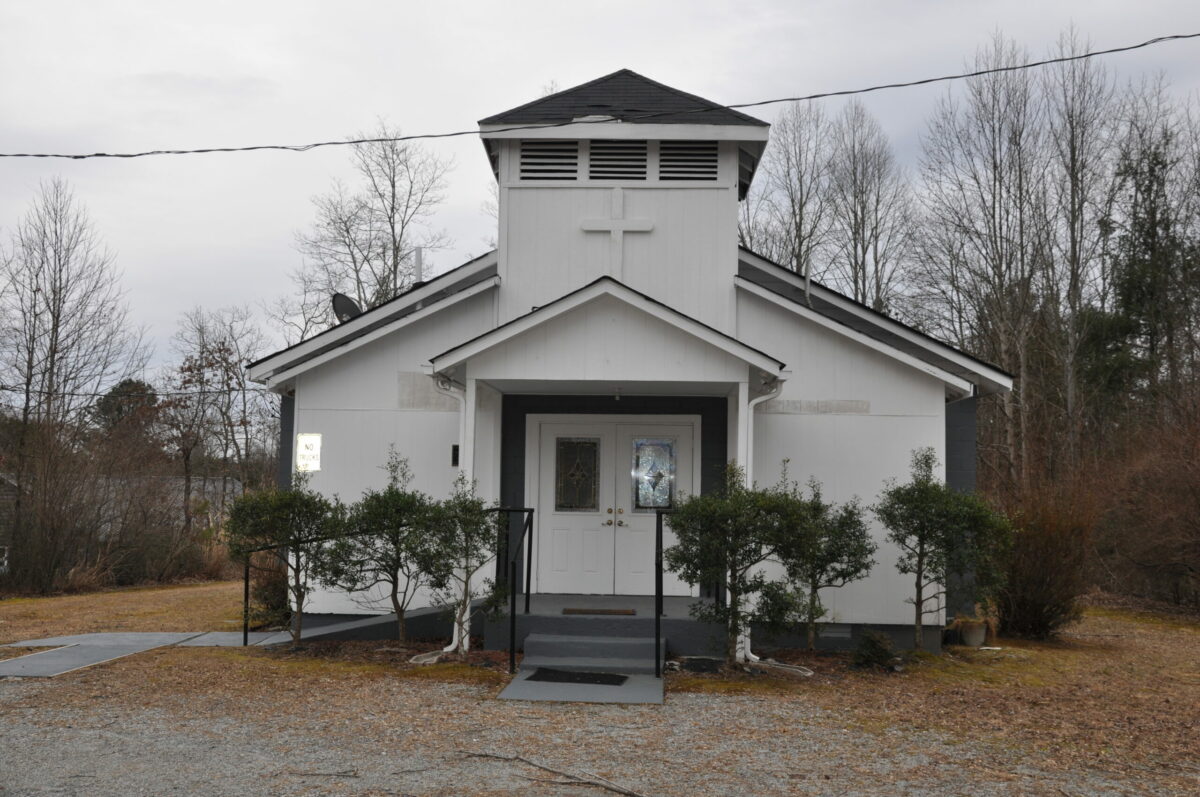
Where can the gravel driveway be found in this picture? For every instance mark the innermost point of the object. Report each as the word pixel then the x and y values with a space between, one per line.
pixel 115 731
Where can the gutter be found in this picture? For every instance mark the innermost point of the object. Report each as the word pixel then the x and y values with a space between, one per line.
pixel 744 653
pixel 444 386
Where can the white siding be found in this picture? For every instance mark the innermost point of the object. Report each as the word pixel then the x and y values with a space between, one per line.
pixel 687 260
pixel 487 442
pixel 607 339
pixel 376 396
pixel 850 417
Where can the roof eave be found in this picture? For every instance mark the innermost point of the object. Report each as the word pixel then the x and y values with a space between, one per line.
pixel 986 377
pixel 627 130
pixel 454 357
pixel 957 386
pixel 462 277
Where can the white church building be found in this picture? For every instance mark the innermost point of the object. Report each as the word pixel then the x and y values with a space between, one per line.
pixel 617 350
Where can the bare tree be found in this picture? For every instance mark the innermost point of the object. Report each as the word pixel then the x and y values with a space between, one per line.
pixel 218 425
pixel 363 240
pixel 787 219
pixel 869 208
pixel 226 340
pixel 1079 113
pixel 983 171
pixel 65 338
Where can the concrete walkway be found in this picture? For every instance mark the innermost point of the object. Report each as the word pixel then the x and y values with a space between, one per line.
pixel 83 650
pixel 638 688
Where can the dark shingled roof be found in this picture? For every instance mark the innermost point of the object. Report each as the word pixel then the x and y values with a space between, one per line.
pixel 623 95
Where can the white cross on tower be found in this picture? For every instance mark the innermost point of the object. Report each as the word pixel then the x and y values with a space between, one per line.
pixel 617 225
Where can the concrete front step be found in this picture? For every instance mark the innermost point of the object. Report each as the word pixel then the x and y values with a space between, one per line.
pixel 584 664
pixel 591 653
pixel 617 647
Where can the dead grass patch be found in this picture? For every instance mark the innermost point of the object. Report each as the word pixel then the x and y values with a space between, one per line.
pixel 484 667
pixel 1119 691
pixel 214 606
pixel 12 653
pixel 1173 621
pixel 730 683
pixel 331 692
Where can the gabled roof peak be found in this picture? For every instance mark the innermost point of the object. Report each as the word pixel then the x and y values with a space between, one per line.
pixel 626 96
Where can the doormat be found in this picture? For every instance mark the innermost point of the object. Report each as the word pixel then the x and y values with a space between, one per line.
pixel 622 612
pixel 571 677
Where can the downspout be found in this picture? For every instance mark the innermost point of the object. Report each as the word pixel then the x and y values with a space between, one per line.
pixel 446 387
pixel 744 652
pixel 774 390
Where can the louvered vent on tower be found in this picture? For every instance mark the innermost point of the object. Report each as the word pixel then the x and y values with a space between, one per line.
pixel 687 160
pixel 617 160
pixel 549 160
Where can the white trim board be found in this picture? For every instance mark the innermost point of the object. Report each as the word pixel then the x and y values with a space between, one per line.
pixel 451 300
pixel 958 383
pixel 272 364
pixel 607 286
pixel 992 377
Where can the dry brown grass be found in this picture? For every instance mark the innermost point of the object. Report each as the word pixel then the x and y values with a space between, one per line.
pixel 1120 690
pixel 482 667
pixel 214 606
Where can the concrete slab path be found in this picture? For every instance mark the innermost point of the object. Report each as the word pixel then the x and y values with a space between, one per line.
pixel 83 650
pixel 638 688
pixel 224 639
pixel 136 639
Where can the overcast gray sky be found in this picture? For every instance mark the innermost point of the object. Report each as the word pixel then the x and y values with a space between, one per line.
pixel 216 230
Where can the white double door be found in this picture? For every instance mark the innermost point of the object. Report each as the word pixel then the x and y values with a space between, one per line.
pixel 599 485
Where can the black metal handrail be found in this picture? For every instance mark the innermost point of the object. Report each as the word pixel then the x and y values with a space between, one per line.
pixel 510 559
pixel 658 589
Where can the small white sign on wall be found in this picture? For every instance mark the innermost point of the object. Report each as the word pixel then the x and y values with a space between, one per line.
pixel 308 453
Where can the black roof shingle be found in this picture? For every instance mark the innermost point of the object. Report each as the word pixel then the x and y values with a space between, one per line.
pixel 627 96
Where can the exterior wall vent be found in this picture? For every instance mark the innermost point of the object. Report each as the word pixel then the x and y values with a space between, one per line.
pixel 617 160
pixel 549 160
pixel 687 160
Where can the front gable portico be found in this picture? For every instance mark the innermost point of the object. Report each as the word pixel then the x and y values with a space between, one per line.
pixel 588 336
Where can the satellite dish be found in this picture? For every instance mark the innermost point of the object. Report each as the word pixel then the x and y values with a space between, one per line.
pixel 345 308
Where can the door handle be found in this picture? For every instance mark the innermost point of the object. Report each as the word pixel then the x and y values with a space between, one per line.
pixel 609 522
pixel 620 522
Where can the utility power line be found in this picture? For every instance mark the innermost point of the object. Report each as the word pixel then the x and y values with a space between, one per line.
pixel 639 117
pixel 137 395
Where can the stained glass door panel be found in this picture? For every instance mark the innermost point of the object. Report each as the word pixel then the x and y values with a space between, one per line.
pixel 577 474
pixel 653 473
pixel 659 463
pixel 574 544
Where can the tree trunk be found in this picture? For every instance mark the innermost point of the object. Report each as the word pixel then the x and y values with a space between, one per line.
pixel 461 620
pixel 298 598
pixel 733 625
pixel 399 610
pixel 919 605
pixel 812 618
pixel 186 456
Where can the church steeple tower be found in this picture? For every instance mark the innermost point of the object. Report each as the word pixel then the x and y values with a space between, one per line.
pixel 627 178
